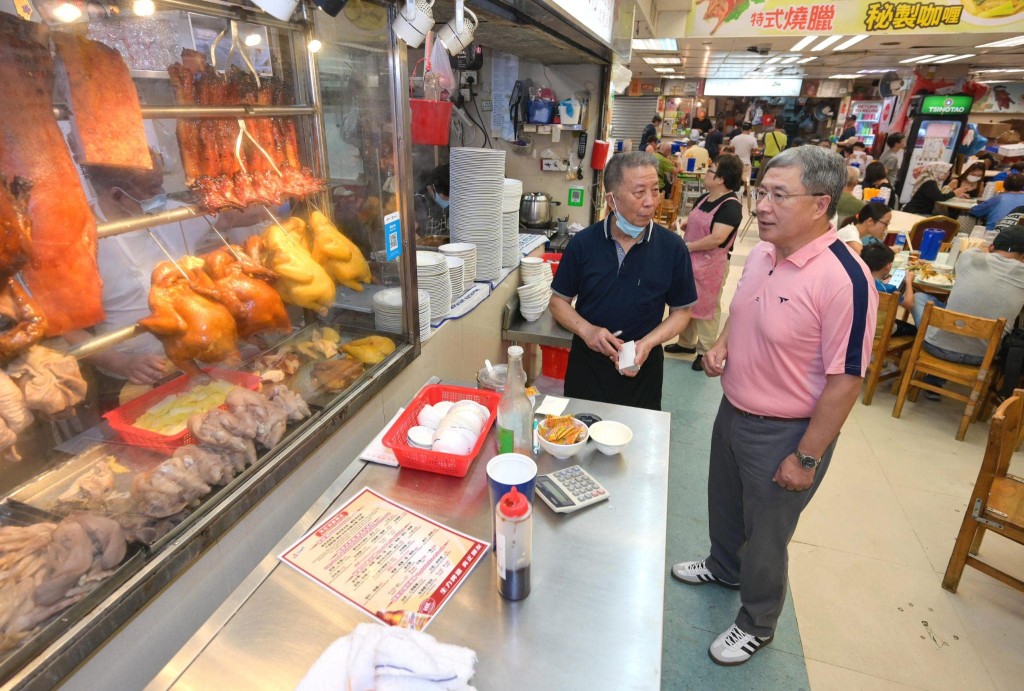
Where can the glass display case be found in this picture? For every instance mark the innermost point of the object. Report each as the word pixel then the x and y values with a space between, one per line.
pixel 249 285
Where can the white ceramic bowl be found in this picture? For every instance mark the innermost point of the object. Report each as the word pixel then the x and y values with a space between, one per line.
pixel 611 437
pixel 943 268
pixel 563 450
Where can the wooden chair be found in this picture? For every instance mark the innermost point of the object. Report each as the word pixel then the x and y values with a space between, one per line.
pixel 886 346
pixel 941 222
pixel 668 210
pixel 978 378
pixel 997 502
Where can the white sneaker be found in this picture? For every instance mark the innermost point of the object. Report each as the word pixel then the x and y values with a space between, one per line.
pixel 735 646
pixel 696 573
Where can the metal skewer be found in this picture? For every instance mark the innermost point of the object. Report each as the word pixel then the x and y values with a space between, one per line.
pixel 168 255
pixel 222 238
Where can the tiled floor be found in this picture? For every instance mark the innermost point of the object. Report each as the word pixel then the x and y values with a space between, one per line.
pixel 866 563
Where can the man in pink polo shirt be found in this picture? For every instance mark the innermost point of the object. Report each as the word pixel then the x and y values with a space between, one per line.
pixel 792 358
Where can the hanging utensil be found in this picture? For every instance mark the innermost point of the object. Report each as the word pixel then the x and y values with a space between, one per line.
pixel 515 100
pixel 237 46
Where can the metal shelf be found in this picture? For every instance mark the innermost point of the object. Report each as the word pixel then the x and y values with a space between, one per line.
pixel 202 112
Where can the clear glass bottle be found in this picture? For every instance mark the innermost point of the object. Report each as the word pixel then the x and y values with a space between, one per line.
pixel 515 413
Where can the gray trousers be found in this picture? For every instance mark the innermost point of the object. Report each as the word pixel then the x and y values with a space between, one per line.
pixel 752 519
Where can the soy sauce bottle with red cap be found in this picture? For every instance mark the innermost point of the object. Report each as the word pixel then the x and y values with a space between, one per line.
pixel 513 536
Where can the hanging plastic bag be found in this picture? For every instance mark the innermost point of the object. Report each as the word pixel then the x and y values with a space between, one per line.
pixel 441 66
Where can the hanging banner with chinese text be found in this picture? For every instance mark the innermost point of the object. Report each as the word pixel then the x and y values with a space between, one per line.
pixel 753 18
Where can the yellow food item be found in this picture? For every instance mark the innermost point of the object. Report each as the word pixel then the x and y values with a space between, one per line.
pixel 337 254
pixel 561 429
pixel 115 467
pixel 170 415
pixel 302 281
pixel 370 350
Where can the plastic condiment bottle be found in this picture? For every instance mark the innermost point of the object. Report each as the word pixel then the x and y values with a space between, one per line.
pixel 515 412
pixel 513 537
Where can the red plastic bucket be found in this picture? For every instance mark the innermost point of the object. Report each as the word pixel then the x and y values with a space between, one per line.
pixel 431 121
pixel 554 361
pixel 552 258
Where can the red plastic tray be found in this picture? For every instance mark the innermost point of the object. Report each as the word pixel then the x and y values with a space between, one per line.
pixel 436 461
pixel 122 419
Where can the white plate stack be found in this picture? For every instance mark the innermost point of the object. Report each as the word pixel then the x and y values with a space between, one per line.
pixel 467 253
pixel 387 311
pixel 456 271
pixel 474 213
pixel 513 194
pixel 432 276
pixel 535 293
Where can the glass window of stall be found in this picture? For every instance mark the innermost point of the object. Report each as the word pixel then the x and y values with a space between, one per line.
pixel 244 296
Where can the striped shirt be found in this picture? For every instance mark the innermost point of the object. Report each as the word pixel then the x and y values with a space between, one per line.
pixel 795 321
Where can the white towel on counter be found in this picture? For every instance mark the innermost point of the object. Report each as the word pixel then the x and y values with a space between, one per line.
pixel 385 658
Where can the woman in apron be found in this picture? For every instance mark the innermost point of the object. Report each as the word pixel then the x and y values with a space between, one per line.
pixel 710 232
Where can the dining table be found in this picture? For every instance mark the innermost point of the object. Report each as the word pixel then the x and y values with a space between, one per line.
pixel 959 204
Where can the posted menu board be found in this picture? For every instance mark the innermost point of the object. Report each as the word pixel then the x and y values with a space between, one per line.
pixel 382 558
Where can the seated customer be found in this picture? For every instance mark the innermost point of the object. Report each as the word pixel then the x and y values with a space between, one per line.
pixel 879 258
pixel 667 168
pixel 929 179
pixel 993 210
pixel 989 285
pixel 849 204
pixel 971 180
pixel 866 227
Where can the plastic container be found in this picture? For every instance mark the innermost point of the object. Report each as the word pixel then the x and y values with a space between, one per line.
pixel 496 383
pixel 515 412
pixel 431 121
pixel 427 459
pixel 122 419
pixel 569 112
pixel 540 112
pixel 513 544
pixel 600 154
pixel 554 361
pixel 931 241
pixel 552 258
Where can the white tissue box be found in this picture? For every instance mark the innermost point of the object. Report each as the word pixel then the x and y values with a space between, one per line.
pixel 627 357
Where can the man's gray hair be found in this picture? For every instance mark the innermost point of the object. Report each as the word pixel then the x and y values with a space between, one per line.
pixel 620 163
pixel 821 171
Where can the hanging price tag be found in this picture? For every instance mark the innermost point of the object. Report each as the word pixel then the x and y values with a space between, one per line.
pixel 393 235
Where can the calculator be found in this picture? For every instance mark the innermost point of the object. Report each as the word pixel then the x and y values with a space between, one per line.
pixel 570 489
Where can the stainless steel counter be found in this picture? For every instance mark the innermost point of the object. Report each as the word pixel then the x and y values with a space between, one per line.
pixel 593 619
pixel 544 331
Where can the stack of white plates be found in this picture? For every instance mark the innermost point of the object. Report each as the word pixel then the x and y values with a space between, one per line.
pixel 513 194
pixel 535 270
pixel 387 311
pixel 456 271
pixel 432 276
pixel 474 213
pixel 533 300
pixel 467 253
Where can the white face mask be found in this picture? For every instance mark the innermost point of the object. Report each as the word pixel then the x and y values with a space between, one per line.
pixel 973 178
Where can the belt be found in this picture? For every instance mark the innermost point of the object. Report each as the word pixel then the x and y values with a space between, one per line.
pixel 769 418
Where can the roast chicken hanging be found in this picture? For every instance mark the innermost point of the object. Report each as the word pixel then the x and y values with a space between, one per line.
pixel 242 286
pixel 302 281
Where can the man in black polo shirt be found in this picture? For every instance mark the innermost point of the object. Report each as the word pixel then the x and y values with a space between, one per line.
pixel 623 271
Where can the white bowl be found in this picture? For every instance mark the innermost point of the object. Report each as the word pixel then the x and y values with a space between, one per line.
pixel 943 268
pixel 611 437
pixel 563 450
pixel 429 416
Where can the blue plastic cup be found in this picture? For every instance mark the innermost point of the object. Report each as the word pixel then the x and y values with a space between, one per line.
pixel 930 243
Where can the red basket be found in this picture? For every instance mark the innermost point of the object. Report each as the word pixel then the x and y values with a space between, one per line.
pixel 435 461
pixel 552 258
pixel 431 121
pixel 122 419
pixel 554 361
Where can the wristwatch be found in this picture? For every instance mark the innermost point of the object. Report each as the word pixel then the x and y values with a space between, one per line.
pixel 805 460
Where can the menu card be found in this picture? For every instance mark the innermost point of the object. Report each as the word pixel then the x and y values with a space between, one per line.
pixel 382 558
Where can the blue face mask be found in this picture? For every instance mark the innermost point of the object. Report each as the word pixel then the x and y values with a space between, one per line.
pixel 152 205
pixel 441 201
pixel 625 226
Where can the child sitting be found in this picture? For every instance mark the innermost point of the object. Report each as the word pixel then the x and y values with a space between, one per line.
pixel 879 259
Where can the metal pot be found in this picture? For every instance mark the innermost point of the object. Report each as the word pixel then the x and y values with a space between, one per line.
pixel 535 210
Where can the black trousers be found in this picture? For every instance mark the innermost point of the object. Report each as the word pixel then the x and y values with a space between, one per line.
pixel 592 376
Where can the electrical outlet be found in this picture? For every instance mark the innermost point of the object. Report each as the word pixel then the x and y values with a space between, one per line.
pixel 486 105
pixel 465 93
pixel 468 76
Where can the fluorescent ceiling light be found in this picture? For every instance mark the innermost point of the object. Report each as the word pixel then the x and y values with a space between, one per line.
pixel 999 81
pixel 1002 70
pixel 845 76
pixel 67 12
pixel 852 41
pixel 770 61
pixel 655 44
pixel 827 42
pixel 937 58
pixel 917 58
pixel 665 70
pixel 674 76
pixel 881 71
pixel 804 42
pixel 1005 43
pixel 956 57
pixel 663 61
pixel 808 59
pixel 769 69
pixel 791 59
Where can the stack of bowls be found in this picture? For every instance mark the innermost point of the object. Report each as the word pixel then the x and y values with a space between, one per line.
pixel 535 293
pixel 387 312
pixel 477 182
pixel 510 223
pixel 432 276
pixel 456 271
pixel 467 253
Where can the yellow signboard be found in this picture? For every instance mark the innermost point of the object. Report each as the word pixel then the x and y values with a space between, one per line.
pixel 753 18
